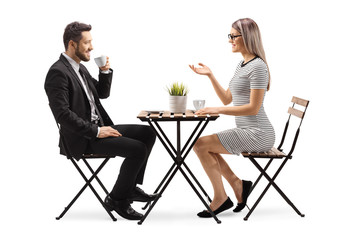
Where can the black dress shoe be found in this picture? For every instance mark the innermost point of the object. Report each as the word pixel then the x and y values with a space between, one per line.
pixel 140 196
pixel 245 193
pixel 123 208
pixel 226 205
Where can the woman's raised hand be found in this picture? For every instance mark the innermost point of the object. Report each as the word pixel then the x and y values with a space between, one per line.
pixel 203 70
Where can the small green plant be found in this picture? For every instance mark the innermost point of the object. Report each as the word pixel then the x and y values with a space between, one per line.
pixel 177 89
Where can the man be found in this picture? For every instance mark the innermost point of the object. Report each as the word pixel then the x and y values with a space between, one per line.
pixel 74 100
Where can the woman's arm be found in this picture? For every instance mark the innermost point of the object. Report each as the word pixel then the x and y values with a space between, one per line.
pixel 252 108
pixel 224 95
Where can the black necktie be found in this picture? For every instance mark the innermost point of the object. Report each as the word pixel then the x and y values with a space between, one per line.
pixel 92 96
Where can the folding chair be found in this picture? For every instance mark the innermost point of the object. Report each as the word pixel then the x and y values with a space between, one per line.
pixel 87 180
pixel 277 153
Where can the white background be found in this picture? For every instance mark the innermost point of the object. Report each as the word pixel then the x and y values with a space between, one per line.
pixel 312 48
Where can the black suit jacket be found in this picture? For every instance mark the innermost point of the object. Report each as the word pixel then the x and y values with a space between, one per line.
pixel 71 107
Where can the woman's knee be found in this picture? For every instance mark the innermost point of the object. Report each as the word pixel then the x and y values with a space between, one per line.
pixel 198 145
pixel 201 145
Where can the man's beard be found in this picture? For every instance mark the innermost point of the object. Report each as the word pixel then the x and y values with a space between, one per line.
pixel 80 55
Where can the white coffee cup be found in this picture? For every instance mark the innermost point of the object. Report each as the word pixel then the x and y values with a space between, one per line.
pixel 100 61
pixel 199 104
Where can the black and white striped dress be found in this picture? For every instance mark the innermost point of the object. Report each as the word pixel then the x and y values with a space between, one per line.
pixel 252 133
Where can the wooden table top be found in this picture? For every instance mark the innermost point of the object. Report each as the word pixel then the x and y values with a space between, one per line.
pixel 169 116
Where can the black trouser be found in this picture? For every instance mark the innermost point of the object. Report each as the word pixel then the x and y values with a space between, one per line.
pixel 135 146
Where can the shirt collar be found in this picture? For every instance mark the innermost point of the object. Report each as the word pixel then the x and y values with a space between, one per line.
pixel 75 65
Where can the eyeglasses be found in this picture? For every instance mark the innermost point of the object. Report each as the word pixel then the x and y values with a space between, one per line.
pixel 233 37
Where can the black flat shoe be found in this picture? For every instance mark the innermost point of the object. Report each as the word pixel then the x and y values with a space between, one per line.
pixel 226 205
pixel 140 196
pixel 123 208
pixel 245 193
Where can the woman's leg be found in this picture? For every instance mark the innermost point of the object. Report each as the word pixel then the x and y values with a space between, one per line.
pixel 230 176
pixel 204 148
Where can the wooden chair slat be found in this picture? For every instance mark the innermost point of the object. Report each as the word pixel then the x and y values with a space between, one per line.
pixel 245 154
pixel 300 101
pixel 263 154
pixel 273 153
pixel 296 112
pixel 277 152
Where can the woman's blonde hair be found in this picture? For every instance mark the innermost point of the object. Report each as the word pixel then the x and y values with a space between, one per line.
pixel 252 39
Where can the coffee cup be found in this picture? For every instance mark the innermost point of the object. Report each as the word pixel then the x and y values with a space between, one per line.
pixel 101 61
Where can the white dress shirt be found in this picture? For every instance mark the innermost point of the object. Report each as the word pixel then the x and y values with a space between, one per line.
pixel 76 67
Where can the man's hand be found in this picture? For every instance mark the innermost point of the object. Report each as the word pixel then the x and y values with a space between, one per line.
pixel 107 65
pixel 108 132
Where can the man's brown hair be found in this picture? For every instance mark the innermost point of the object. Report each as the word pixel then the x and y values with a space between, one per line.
pixel 73 32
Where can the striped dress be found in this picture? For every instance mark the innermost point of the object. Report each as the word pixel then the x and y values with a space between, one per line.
pixel 252 133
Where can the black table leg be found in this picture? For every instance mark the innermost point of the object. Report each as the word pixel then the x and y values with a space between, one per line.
pixel 176 155
pixel 161 184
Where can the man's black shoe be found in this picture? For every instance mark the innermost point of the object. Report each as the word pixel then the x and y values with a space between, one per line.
pixel 140 196
pixel 123 208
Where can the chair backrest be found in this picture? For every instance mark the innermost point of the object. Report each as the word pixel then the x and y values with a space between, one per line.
pixel 63 142
pixel 297 113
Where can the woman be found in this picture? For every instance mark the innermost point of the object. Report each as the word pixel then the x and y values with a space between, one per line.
pixel 253 132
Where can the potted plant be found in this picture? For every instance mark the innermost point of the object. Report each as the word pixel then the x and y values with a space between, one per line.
pixel 178 97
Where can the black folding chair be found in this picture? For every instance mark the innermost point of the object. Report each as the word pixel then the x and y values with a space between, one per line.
pixel 277 153
pixel 84 158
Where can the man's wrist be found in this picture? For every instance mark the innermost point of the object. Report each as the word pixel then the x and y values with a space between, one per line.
pixel 105 71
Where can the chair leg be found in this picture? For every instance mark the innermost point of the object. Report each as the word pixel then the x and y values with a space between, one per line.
pixel 71 202
pixel 259 177
pixel 102 202
pixel 271 182
pixel 88 183
pixel 257 202
pixel 96 177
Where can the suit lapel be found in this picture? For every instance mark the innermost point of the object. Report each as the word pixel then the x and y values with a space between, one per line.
pixel 71 70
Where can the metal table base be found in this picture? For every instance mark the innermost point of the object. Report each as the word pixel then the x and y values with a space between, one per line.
pixel 179 155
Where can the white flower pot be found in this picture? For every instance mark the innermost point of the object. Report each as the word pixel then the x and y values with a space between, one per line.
pixel 177 104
